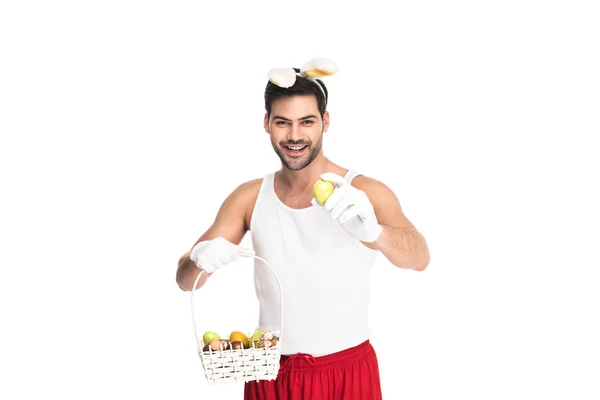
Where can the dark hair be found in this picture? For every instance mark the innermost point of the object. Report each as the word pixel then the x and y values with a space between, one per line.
pixel 302 87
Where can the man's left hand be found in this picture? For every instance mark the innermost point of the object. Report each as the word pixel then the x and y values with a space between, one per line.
pixel 351 208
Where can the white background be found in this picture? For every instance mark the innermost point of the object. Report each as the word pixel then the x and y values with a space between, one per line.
pixel 124 124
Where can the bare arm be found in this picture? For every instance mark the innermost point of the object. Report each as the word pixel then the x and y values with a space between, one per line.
pixel 401 243
pixel 231 223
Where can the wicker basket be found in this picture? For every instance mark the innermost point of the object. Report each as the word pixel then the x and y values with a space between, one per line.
pixel 241 365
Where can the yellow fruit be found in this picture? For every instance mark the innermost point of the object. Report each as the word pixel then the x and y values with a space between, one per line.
pixel 239 337
pixel 322 190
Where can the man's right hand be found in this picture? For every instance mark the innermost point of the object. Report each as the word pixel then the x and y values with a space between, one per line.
pixel 211 255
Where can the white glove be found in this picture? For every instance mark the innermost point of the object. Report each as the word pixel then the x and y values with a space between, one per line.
pixel 211 255
pixel 352 209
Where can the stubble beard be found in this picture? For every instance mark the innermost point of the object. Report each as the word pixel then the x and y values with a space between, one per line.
pixel 296 164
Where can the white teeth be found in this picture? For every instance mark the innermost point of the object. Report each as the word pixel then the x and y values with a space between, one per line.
pixel 295 148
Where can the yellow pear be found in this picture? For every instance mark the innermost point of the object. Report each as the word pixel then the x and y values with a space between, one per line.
pixel 322 190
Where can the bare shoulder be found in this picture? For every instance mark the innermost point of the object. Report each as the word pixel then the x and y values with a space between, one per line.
pixel 376 190
pixel 385 202
pixel 231 221
pixel 247 189
pixel 245 196
pixel 364 182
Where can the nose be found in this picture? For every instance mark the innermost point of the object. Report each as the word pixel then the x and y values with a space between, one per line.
pixel 294 132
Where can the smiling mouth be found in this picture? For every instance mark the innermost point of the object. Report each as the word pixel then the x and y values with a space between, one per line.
pixel 294 149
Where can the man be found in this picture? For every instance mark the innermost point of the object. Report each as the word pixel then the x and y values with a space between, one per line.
pixel 322 254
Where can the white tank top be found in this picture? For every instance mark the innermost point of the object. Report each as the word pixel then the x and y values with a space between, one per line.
pixel 324 272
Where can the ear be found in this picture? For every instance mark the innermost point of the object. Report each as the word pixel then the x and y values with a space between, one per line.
pixel 266 124
pixel 325 121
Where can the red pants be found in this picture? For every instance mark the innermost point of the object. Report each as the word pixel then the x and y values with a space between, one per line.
pixel 351 374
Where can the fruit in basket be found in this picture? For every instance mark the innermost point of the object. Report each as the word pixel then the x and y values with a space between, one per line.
pixel 237 336
pixel 210 335
pixel 215 344
pixel 263 344
pixel 274 342
pixel 256 336
pixel 236 345
pixel 322 190
pixel 268 335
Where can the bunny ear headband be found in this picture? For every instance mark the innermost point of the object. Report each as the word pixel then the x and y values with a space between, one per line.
pixel 313 69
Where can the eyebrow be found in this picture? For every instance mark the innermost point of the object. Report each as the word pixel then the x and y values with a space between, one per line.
pixel 289 120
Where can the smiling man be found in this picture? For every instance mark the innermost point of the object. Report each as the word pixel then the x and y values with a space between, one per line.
pixel 323 254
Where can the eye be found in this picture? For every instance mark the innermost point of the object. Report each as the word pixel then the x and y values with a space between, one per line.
pixel 308 122
pixel 281 123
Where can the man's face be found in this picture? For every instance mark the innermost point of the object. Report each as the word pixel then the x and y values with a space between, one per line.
pixel 296 130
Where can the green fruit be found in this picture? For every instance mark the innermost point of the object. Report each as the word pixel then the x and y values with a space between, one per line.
pixel 322 190
pixel 210 335
pixel 256 336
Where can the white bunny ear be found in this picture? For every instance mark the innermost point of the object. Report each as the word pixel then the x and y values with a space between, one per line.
pixel 318 67
pixel 282 77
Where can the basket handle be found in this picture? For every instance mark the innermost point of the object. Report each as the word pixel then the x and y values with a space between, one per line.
pixel 198 340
